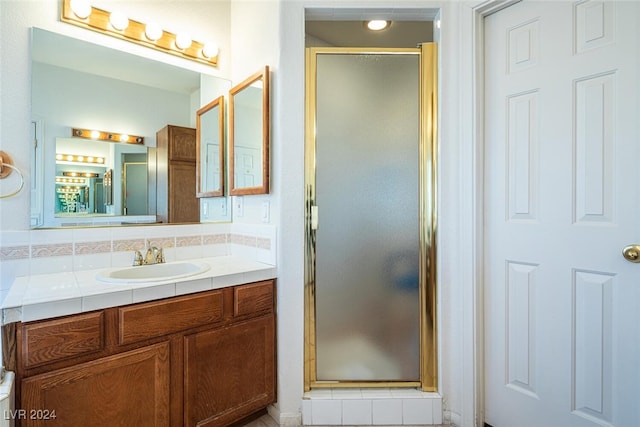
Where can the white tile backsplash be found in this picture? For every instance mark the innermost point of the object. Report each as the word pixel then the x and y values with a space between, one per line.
pixel 63 250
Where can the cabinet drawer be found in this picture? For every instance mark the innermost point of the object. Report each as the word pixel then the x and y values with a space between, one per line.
pixel 253 298
pixel 57 339
pixel 152 319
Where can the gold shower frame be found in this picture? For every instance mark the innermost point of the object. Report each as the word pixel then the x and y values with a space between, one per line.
pixel 428 152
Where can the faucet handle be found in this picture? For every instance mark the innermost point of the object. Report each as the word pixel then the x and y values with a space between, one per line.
pixel 137 258
pixel 160 256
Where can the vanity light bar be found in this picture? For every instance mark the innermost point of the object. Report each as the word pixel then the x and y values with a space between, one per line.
pixel 65 180
pixel 150 35
pixel 81 174
pixel 107 136
pixel 77 158
pixel 68 190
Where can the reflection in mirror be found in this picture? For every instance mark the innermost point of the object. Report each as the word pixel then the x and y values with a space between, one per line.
pixel 78 84
pixel 249 135
pixel 210 149
pixel 100 179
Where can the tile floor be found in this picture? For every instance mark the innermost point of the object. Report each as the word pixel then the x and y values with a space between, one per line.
pixel 267 421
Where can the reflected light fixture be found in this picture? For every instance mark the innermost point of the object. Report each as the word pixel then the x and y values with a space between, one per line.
pixel 116 24
pixel 65 180
pixel 81 174
pixel 377 24
pixel 78 158
pixel 107 136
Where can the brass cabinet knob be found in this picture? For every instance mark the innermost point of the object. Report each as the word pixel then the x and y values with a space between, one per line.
pixel 631 253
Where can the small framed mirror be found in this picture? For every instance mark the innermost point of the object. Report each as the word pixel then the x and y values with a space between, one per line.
pixel 210 149
pixel 249 135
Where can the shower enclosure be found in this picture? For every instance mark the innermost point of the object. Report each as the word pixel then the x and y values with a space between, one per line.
pixel 370 262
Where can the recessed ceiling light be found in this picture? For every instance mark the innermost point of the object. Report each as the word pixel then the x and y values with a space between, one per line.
pixel 377 24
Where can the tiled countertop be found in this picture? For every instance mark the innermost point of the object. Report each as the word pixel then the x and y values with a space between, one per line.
pixel 51 295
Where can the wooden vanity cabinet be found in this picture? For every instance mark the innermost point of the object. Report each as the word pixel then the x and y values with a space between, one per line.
pixel 205 359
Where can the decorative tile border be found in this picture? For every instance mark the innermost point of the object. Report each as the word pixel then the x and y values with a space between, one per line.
pixel 214 239
pixel 86 248
pixel 241 239
pixel 128 245
pixel 58 249
pixel 188 241
pixel 21 252
pixel 160 242
pixel 263 243
pixel 14 252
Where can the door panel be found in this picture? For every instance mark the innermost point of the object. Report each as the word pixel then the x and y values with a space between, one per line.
pixel 561 135
pixel 367 259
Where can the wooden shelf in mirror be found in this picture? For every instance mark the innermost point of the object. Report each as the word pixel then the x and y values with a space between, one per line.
pixel 249 130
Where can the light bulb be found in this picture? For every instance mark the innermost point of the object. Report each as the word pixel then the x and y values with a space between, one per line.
pixel 95 134
pixel 81 8
pixel 118 20
pixel 183 41
pixel 210 50
pixel 124 138
pixel 377 24
pixel 153 31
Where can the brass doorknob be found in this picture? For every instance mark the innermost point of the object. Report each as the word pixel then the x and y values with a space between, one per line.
pixel 632 253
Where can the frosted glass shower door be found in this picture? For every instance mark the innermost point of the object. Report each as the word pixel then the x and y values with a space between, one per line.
pixel 367 320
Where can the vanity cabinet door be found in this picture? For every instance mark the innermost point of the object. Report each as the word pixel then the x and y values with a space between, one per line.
pixel 127 389
pixel 229 372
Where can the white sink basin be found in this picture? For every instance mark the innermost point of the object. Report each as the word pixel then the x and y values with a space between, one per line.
pixel 153 273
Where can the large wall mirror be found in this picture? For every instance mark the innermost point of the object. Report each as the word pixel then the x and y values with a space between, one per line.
pixel 210 138
pixel 249 135
pixel 77 84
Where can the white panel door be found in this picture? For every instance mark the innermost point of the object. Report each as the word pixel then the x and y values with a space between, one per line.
pixel 562 305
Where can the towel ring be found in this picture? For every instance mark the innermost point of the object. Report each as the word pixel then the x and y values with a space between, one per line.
pixel 6 162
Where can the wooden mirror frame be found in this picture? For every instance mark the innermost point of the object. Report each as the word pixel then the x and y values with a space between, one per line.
pixel 262 75
pixel 218 102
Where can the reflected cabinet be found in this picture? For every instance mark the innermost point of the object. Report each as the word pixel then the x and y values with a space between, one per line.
pixel 176 164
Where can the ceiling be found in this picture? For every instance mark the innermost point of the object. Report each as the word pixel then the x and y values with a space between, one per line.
pixel 355 34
